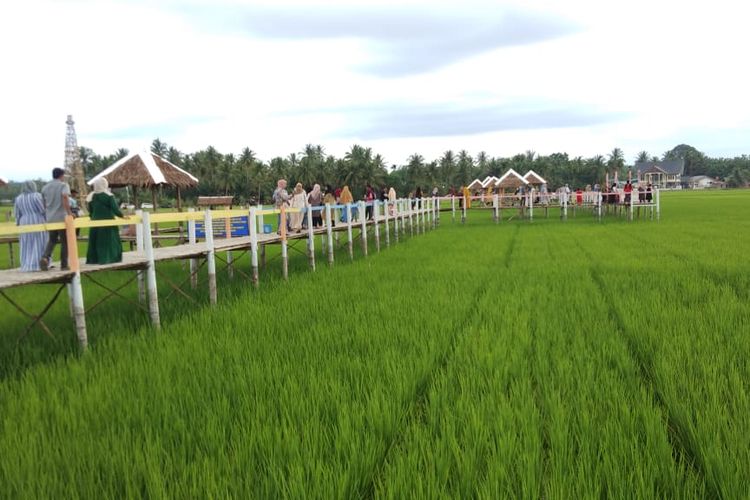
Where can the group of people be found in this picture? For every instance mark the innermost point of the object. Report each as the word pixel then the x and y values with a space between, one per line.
pixel 316 199
pixel 54 203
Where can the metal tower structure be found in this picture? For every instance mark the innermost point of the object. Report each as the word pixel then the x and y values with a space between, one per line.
pixel 73 167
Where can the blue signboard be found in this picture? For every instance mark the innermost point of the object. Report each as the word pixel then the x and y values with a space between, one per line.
pixel 238 226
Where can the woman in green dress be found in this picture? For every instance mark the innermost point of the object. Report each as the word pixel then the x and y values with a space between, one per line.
pixel 104 242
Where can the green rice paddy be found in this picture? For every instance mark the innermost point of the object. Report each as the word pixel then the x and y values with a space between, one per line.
pixel 518 360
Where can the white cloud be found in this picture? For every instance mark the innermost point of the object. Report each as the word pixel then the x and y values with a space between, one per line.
pixel 131 71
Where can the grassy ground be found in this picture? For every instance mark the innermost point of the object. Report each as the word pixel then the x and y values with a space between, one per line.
pixel 545 359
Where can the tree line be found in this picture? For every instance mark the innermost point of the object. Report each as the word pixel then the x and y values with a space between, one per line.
pixel 250 179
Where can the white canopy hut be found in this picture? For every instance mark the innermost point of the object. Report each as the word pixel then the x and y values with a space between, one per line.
pixel 511 180
pixel 147 170
pixel 534 179
pixel 489 181
pixel 3 181
pixel 475 184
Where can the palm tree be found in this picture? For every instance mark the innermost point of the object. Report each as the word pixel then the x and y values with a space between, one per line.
pixel 642 157
pixel 158 147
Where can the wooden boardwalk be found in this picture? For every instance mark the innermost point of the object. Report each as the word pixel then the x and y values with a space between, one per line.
pixel 143 261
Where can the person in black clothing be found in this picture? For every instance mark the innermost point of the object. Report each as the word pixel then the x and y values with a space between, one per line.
pixel 417 195
pixel 649 194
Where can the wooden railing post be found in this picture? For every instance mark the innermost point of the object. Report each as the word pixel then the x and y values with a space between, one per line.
pixel 192 240
pixel 208 223
pixel 349 230
pixel 140 249
pixel 310 239
pixel 148 248
pixel 75 289
pixel 252 225
pixel 284 252
pixel 375 216
pixel 363 222
pixel 386 225
pixel 329 232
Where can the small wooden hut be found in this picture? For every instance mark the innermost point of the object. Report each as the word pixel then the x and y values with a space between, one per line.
pixel 475 185
pixel 147 170
pixel 3 181
pixel 511 180
pixel 534 179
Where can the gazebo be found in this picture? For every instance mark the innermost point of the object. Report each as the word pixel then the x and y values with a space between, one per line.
pixel 149 171
pixel 511 180
pixel 475 184
pixel 534 179
pixel 3 181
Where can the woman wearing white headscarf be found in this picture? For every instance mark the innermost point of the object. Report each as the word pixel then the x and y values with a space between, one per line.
pixel 104 242
pixel 29 209
pixel 392 201
pixel 299 200
pixel 315 199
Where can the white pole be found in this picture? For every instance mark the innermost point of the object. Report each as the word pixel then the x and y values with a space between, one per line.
pixel 329 231
pixel 411 217
pixel 75 289
pixel 153 297
pixel 453 208
pixel 375 216
pixel 495 205
pixel 386 226
pixel 139 249
pixel 363 221
pixel 348 209
pixel 531 204
pixel 252 224
pixel 193 262
pixel 310 239
pixel 632 203
pixel 208 223
pixel 658 203
pixel 284 249
pixel 565 205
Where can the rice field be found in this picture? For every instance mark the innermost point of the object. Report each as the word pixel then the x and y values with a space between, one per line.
pixel 543 359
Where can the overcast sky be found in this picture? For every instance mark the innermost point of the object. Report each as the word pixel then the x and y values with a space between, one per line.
pixel 398 76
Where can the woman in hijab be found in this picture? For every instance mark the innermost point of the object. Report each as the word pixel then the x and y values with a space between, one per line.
pixel 392 200
pixel 315 199
pixel 29 209
pixel 330 199
pixel 104 242
pixel 344 199
pixel 299 200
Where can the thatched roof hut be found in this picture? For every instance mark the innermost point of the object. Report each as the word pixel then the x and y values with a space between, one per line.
pixel 511 180
pixel 533 178
pixel 146 170
pixel 3 181
pixel 475 184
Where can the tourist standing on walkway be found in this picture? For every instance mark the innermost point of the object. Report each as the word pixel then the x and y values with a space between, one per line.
pixel 345 198
pixel 105 246
pixel 299 200
pixel 369 200
pixel 56 196
pixel 281 198
pixel 392 201
pixel 315 200
pixel 330 199
pixel 29 209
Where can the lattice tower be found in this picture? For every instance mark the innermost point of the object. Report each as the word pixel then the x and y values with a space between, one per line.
pixel 73 167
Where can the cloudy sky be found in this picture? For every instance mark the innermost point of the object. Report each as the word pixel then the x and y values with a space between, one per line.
pixel 400 76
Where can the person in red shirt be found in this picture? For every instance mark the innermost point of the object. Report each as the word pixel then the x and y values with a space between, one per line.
pixel 579 197
pixel 628 189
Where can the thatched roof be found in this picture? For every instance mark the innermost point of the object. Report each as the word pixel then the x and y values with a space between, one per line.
pixel 489 181
pixel 145 169
pixel 3 181
pixel 511 180
pixel 533 178
pixel 475 184
pixel 209 201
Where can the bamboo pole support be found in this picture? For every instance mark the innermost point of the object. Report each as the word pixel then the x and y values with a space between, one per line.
pixel 284 252
pixel 329 233
pixel 192 240
pixel 386 225
pixel 658 204
pixel 375 216
pixel 153 295
pixel 75 289
pixel 139 249
pixel 348 209
pixel 228 235
pixel 363 221
pixel 310 239
pixel 253 226
pixel 261 223
pixel 210 256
